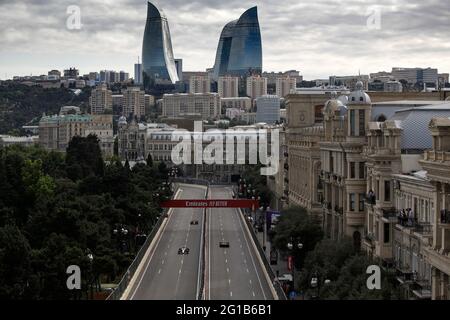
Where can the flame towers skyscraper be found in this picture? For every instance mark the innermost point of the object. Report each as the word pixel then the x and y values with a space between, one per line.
pixel 158 64
pixel 240 50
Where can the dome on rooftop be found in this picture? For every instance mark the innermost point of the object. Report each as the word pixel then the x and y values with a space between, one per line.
pixel 358 96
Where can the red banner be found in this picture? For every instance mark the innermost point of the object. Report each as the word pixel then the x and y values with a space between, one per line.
pixel 211 203
pixel 290 263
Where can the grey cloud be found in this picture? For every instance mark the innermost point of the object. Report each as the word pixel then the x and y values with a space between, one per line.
pixel 319 38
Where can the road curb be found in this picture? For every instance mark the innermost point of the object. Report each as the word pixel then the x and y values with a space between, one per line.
pixel 269 281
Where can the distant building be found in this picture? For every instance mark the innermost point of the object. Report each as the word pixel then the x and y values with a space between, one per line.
pixel 100 100
pixel 71 73
pixel 203 105
pixel 349 81
pixel 285 85
pixel 228 86
pixel 393 86
pixel 232 113
pixel 123 76
pixel 415 75
pixel 179 67
pixel 133 103
pixel 66 110
pixel 199 84
pixel 93 76
pixel 55 132
pixel 256 87
pixel 239 52
pixel 158 65
pixel 6 140
pixel 138 73
pixel 55 73
pixel 268 109
pixel 244 103
pixel 443 78
pixel 248 117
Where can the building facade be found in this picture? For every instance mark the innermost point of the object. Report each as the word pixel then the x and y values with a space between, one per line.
pixel 201 105
pixel 285 85
pixel 256 87
pixel 133 102
pixel 228 87
pixel 199 84
pixel 55 132
pixel 268 109
pixel 100 100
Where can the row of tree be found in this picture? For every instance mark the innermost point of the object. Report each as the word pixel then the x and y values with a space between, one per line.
pixel 24 105
pixel 59 210
pixel 338 267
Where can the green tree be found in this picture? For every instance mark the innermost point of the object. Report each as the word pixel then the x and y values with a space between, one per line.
pixel 84 157
pixel 14 263
pixel 295 223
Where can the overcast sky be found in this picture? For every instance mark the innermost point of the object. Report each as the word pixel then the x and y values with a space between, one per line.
pixel 319 38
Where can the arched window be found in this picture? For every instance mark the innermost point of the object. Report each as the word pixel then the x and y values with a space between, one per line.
pixel 381 118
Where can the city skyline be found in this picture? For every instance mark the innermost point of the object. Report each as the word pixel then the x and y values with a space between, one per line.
pixel 111 35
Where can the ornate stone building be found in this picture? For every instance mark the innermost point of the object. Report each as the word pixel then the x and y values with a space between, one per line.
pixel 437 164
pixel 342 164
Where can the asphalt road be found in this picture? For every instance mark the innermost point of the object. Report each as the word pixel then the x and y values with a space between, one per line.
pixel 167 275
pixel 233 273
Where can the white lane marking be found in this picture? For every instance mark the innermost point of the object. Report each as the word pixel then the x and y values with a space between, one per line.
pixel 248 271
pixel 231 294
pixel 170 214
pixel 159 271
pixel 229 281
pixel 251 256
pixel 162 262
pixel 253 292
pixel 250 281
pixel 226 260
pixel 165 253
pixel 228 270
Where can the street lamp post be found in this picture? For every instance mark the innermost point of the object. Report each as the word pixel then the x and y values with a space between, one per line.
pixel 316 283
pixel 294 243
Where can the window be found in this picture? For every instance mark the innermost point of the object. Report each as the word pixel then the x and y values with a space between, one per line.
pixel 387 190
pixel 352 122
pixel 362 170
pixel 352 202
pixel 387 232
pixel 361 201
pixel 362 122
pixel 352 170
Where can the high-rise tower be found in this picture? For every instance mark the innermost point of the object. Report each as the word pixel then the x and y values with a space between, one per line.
pixel 158 64
pixel 240 50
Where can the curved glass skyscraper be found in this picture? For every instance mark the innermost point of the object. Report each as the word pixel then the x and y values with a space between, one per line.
pixel 158 64
pixel 240 50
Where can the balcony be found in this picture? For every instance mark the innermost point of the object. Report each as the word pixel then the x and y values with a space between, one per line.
pixel 440 156
pixel 371 199
pixel 390 213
